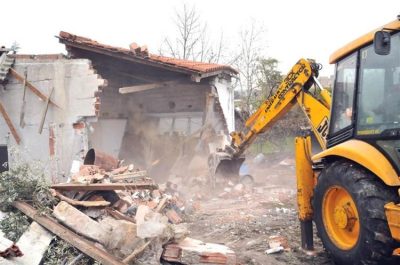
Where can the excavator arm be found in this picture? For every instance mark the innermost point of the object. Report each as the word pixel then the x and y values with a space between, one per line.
pixel 294 89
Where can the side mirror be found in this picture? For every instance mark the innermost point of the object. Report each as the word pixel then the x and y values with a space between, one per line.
pixel 382 42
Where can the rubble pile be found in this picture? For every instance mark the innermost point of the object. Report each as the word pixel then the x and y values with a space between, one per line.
pixel 117 216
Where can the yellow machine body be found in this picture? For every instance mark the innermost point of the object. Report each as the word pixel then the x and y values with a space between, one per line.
pixel 361 41
pixel 305 177
pixel 392 211
pixel 366 155
pixel 341 216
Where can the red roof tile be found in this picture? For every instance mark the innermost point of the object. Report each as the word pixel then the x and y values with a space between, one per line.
pixel 197 66
pixel 143 54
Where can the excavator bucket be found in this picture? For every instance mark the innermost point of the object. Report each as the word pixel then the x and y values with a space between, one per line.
pixel 223 164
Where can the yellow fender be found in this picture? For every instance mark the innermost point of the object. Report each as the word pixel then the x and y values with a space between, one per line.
pixel 365 155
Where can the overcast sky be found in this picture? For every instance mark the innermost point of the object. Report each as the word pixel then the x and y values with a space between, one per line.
pixel 294 29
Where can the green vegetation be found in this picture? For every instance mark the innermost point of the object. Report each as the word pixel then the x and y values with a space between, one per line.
pixel 267 147
pixel 61 252
pixel 23 182
pixel 27 182
pixel 14 225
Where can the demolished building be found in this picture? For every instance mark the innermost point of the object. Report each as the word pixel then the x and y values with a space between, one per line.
pixel 154 111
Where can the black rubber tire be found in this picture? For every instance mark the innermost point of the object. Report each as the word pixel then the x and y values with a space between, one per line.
pixel 375 244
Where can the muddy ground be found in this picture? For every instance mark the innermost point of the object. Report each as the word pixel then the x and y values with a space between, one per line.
pixel 245 220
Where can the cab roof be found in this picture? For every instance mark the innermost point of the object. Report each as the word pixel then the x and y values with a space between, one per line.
pixel 361 41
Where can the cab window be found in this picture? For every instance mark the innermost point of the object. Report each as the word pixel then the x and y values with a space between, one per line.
pixel 379 90
pixel 343 98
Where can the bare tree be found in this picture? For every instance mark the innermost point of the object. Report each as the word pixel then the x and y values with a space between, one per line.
pixel 268 77
pixel 189 33
pixel 212 52
pixel 192 40
pixel 250 50
pixel 15 47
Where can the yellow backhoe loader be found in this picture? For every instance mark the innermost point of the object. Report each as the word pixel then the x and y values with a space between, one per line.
pixel 350 189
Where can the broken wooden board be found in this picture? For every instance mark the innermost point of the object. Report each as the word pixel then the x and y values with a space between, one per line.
pixel 9 124
pixel 80 222
pixel 137 252
pixel 80 203
pixel 138 185
pixel 119 216
pixel 45 109
pixel 192 251
pixel 128 176
pixel 33 244
pixel 67 235
pixel 117 236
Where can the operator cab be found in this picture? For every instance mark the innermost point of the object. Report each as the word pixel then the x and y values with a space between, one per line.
pixel 379 92
pixel 366 96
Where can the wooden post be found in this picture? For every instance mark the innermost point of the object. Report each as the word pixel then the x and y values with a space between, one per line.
pixel 22 114
pixel 9 123
pixel 45 111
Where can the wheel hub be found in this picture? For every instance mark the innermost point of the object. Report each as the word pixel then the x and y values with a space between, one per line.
pixel 340 217
pixel 344 217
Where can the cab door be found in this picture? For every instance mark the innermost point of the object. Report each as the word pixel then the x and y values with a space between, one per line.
pixel 342 115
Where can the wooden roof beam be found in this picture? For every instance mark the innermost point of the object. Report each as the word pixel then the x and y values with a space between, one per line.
pixel 139 88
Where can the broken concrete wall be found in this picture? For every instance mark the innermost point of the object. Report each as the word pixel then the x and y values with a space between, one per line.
pixel 161 129
pixel 226 100
pixel 152 128
pixel 163 109
pixel 75 84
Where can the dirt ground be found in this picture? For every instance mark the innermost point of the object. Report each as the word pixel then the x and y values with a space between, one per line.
pixel 245 220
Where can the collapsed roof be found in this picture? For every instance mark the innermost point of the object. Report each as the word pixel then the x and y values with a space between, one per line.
pixel 197 70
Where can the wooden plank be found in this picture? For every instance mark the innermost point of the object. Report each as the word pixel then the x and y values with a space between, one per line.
pixel 67 235
pixel 36 91
pixel 22 114
pixel 129 176
pixel 119 216
pixel 10 124
pixel 139 185
pixel 138 88
pixel 33 244
pixel 80 223
pixel 80 203
pixel 137 252
pixel 45 109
